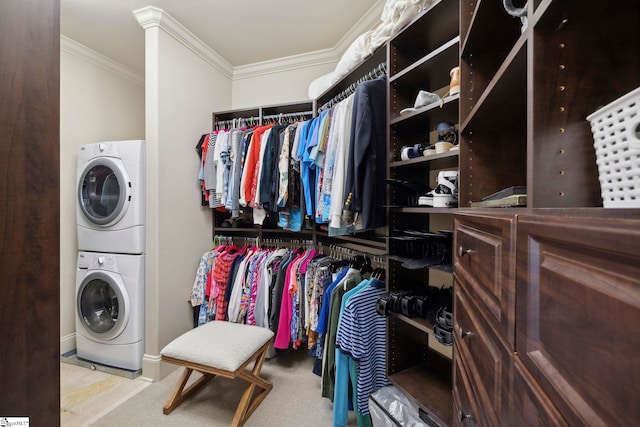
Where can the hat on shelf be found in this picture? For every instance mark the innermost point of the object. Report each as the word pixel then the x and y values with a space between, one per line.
pixel 423 99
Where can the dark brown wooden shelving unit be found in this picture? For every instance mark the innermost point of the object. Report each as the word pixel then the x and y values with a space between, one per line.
pixel 525 279
pixel 420 58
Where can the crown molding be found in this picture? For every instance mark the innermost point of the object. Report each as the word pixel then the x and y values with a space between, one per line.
pixel 294 62
pixel 369 21
pixel 81 51
pixel 150 16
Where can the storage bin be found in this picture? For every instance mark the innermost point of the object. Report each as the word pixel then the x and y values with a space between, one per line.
pixel 616 134
pixel 389 407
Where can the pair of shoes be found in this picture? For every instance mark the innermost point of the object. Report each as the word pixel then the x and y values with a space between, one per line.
pixel 446 192
pixel 435 250
pixel 408 152
pixel 408 190
pixel 243 221
pixel 447 137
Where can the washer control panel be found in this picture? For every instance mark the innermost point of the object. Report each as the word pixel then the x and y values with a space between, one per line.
pixel 97 262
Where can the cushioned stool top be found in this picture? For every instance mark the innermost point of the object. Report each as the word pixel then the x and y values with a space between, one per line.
pixel 219 344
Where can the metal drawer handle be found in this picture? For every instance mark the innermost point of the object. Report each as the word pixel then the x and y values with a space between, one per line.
pixel 462 251
pixel 462 333
pixel 462 416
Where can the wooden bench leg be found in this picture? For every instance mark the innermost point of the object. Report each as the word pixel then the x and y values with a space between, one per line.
pixel 178 395
pixel 248 402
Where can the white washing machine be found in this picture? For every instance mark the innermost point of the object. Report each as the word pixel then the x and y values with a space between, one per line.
pixel 110 309
pixel 111 197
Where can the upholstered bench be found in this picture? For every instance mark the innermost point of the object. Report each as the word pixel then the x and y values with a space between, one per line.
pixel 225 349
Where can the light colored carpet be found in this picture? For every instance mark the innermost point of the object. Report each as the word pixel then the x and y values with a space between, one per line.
pixel 294 401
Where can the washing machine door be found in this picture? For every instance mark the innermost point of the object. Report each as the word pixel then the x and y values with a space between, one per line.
pixel 104 191
pixel 103 305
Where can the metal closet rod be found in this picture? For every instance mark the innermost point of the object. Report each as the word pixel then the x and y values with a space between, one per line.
pixel 281 116
pixel 250 121
pixel 378 71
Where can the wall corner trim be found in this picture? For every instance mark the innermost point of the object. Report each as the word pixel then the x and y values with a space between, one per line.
pixel 151 17
pixel 81 51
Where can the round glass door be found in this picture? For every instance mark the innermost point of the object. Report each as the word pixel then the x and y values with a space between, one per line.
pixel 102 192
pixel 102 306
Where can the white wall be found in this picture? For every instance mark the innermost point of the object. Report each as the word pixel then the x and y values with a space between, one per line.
pixel 285 86
pixel 99 101
pixel 182 90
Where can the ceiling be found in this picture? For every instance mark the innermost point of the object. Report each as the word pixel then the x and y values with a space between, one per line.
pixel 241 31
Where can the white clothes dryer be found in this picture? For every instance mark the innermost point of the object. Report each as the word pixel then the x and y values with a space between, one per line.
pixel 110 309
pixel 111 197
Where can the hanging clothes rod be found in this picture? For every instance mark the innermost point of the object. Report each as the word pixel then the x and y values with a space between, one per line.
pixel 378 71
pixel 281 118
pixel 237 122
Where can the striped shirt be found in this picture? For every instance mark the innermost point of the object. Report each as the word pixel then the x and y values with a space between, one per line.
pixel 362 335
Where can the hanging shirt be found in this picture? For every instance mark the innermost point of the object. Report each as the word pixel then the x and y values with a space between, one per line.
pixel 362 335
pixel 365 184
pixel 283 165
pixel 352 279
pixel 251 164
pixel 307 166
pixel 336 223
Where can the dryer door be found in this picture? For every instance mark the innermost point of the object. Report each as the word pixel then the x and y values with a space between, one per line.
pixel 104 191
pixel 103 305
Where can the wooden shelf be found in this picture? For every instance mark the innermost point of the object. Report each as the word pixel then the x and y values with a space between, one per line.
pixel 420 58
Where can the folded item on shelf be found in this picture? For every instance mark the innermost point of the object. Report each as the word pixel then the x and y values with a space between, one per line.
pixel 396 14
pixel 423 99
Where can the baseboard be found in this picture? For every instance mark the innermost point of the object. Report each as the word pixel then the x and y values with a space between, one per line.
pixel 154 369
pixel 67 343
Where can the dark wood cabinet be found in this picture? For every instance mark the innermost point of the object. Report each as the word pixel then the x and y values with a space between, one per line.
pixel 485 265
pixel 484 308
pixel 555 280
pixel 577 294
pixel 486 358
pixel 531 407
pixel 578 306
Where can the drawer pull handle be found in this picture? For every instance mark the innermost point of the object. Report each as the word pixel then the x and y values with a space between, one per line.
pixel 462 333
pixel 462 251
pixel 462 416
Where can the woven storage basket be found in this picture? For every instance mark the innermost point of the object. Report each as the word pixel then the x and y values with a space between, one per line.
pixel 616 135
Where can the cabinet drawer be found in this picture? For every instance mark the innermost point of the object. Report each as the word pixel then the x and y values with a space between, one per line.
pixel 578 293
pixel 465 411
pixel 484 261
pixel 486 358
pixel 530 405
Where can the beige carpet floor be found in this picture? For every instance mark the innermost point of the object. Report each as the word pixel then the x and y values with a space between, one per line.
pixel 294 401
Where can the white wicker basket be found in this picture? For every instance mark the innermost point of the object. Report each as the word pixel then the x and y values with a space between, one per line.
pixel 616 135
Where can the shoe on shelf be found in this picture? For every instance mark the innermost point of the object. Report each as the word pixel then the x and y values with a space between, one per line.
pixel 446 192
pixel 408 152
pixel 447 137
pixel 454 85
pixel 426 200
pixel 430 150
pixel 411 190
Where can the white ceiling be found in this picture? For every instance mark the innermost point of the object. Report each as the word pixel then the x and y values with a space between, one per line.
pixel 241 31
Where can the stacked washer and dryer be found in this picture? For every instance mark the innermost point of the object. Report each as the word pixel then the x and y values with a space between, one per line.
pixel 111 242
